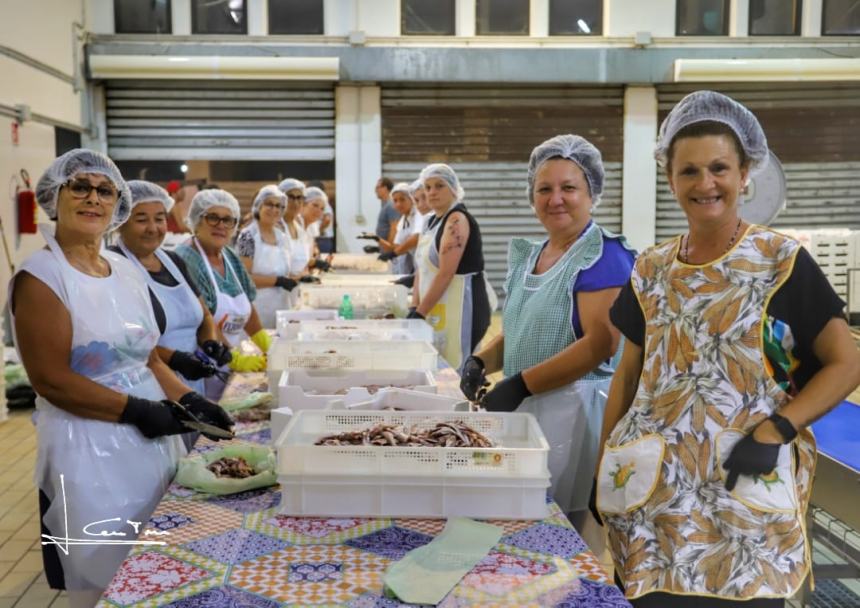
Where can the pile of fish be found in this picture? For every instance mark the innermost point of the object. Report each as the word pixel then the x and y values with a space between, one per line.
pixel 456 434
pixel 253 414
pixel 237 468
pixel 374 388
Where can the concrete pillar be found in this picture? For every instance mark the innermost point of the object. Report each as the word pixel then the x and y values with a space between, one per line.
pixel 358 162
pixel 812 18
pixel 465 18
pixel 639 193
pixel 180 16
pixel 739 18
pixel 539 18
pixel 258 17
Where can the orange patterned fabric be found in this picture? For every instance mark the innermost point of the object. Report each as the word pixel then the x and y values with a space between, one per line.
pixel 703 385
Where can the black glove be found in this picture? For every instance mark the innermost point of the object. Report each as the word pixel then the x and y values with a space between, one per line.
pixel 369 237
pixel 386 256
pixel 152 418
pixel 309 279
pixel 206 411
pixel 592 503
pixel 507 395
pixel 285 283
pixel 408 281
pixel 371 249
pixel 217 351
pixel 321 265
pixel 472 378
pixel 749 457
pixel 190 366
pixel 414 314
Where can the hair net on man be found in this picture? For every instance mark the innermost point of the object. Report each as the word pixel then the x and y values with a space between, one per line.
pixel 143 191
pixel 291 183
pixel 414 187
pixel 704 106
pixel 445 173
pixel 316 194
pixel 204 200
pixel 265 193
pixel 74 162
pixel 576 149
pixel 404 188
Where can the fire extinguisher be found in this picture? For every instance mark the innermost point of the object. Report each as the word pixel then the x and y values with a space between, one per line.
pixel 26 206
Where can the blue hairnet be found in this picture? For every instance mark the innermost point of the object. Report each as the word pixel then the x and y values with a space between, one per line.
pixel 206 199
pixel 576 149
pixel 445 173
pixel 143 191
pixel 267 192
pixel 291 184
pixel 704 106
pixel 74 162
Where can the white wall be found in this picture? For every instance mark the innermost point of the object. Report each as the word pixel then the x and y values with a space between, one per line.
pixel 623 18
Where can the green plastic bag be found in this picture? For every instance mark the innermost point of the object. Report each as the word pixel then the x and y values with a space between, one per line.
pixel 15 375
pixel 193 473
pixel 246 401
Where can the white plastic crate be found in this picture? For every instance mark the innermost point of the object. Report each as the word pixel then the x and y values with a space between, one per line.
pixel 358 263
pixel 288 321
pixel 302 389
pixel 344 355
pixel 372 301
pixel 408 496
pixel 335 279
pixel 521 450
pixel 834 250
pixel 365 329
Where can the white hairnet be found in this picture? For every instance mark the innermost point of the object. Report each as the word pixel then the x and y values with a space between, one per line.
pixel 316 194
pixel 267 192
pixel 143 191
pixel 74 162
pixel 446 173
pixel 415 186
pixel 291 184
pixel 576 149
pixel 704 106
pixel 404 188
pixel 206 199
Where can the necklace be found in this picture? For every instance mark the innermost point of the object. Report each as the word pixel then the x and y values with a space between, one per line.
pixel 686 259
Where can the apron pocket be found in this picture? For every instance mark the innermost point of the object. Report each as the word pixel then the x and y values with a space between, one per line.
pixel 774 492
pixel 628 474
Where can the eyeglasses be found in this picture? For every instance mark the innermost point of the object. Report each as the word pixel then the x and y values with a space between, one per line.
pixel 213 219
pixel 81 189
pixel 269 205
pixel 296 197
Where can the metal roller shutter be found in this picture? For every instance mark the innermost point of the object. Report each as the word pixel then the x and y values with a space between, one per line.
pixel 486 135
pixel 814 130
pixel 148 120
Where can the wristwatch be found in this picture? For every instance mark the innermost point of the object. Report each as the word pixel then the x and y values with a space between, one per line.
pixel 784 426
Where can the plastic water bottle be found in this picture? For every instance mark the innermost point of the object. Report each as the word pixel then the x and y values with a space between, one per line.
pixel 345 310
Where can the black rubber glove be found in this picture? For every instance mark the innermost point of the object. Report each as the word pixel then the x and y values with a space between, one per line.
pixel 749 457
pixel 408 281
pixel 190 366
pixel 472 378
pixel 507 395
pixel 592 503
pixel 285 283
pixel 369 237
pixel 386 256
pixel 309 279
pixel 371 249
pixel 321 265
pixel 206 411
pixel 414 314
pixel 152 418
pixel 217 351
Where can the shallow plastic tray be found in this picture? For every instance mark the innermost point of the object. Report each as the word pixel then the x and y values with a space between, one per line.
pixel 334 279
pixel 358 263
pixel 367 301
pixel 288 321
pixel 365 329
pixel 302 389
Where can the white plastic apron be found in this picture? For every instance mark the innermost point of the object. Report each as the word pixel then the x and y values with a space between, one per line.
pixel 299 250
pixel 110 470
pixel 181 307
pixel 451 316
pixel 405 263
pixel 271 260
pixel 234 310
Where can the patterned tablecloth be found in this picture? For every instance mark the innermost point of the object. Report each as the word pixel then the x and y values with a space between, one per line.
pixel 238 551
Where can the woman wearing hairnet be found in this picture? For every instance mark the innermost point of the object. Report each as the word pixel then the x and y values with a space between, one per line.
pixel 222 280
pixel 185 322
pixel 450 287
pixel 85 331
pixel 409 228
pixel 309 218
pixel 299 242
pixel 262 246
pixel 557 341
pixel 736 342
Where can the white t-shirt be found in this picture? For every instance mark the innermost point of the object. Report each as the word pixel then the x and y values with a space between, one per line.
pixel 415 226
